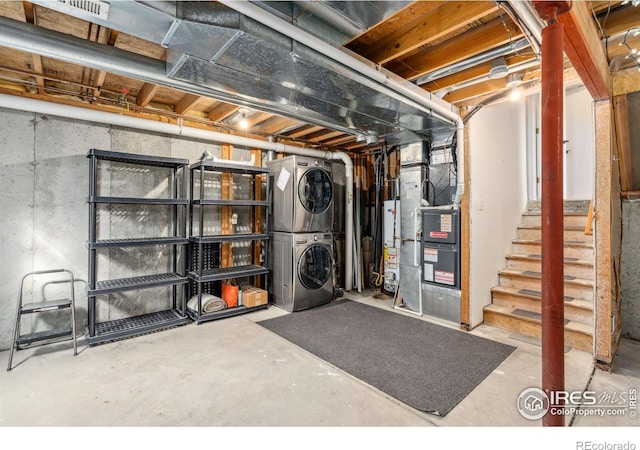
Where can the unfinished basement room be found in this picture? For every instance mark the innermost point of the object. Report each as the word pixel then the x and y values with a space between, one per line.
pixel 374 221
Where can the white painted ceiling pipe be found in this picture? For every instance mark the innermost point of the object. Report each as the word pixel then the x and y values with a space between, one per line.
pixel 91 115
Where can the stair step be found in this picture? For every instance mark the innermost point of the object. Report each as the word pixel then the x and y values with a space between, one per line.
pixel 572 249
pixel 571 233
pixel 532 340
pixel 575 309
pixel 573 287
pixel 569 219
pixel 533 262
pixel 576 334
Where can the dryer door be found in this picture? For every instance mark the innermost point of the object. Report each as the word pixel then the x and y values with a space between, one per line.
pixel 314 267
pixel 315 191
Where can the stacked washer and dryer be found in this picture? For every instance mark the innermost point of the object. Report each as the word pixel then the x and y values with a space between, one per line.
pixel 301 253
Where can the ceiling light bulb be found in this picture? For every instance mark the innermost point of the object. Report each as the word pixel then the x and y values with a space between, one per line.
pixel 515 94
pixel 244 124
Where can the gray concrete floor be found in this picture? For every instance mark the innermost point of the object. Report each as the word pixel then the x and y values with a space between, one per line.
pixel 233 372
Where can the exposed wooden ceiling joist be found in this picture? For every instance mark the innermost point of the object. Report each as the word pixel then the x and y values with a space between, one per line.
pixel 420 38
pixel 186 103
pixel 476 72
pixel 221 111
pixel 257 118
pixel 422 30
pixel 275 124
pixel 620 20
pixel 304 131
pixel 146 94
pixel 30 17
pixel 482 38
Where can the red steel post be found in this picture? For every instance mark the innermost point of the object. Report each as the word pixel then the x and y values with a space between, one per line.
pixel 552 210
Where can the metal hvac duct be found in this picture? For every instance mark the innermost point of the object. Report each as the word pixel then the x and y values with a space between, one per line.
pixel 215 47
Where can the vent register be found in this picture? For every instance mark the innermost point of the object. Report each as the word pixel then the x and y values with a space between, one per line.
pixel 212 46
pixel 94 8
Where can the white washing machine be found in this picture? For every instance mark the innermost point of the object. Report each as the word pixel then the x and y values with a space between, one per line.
pixel 302 194
pixel 301 270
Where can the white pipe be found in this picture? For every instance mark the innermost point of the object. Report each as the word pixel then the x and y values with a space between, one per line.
pixel 78 113
pixel 528 16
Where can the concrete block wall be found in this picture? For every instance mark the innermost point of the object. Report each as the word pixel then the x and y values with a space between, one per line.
pixel 44 220
pixel 630 269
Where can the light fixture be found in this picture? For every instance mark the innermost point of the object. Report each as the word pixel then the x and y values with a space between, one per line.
pixel 243 122
pixel 498 69
pixel 513 82
pixel 515 94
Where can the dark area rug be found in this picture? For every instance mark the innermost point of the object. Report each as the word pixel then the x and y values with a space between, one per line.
pixel 426 366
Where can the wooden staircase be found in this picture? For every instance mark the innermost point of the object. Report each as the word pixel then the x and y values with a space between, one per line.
pixel 516 301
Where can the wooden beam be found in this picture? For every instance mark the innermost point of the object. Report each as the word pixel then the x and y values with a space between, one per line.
pixel 476 90
pixel 255 119
pixel 99 82
pixel 221 111
pixel 30 17
pixel 465 244
pixel 605 252
pixel 146 93
pixel 355 146
pixel 37 68
pixel 340 140
pixel 325 135
pixel 479 71
pixel 621 117
pixel 301 133
pixel 621 20
pixel 626 81
pixel 427 28
pixel 359 43
pixel 585 51
pixel 186 103
pixel 113 38
pixel 29 12
pixel 274 124
pixel 630 195
pixel 106 36
pixel 482 38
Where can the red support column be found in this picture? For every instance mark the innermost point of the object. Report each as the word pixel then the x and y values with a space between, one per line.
pixel 552 206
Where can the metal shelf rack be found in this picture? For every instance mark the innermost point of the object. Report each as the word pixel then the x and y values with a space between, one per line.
pixel 207 269
pixel 176 280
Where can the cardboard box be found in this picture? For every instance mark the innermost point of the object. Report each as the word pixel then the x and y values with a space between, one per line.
pixel 253 296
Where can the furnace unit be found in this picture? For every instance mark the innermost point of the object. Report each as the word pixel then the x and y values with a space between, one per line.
pixel 441 247
pixel 440 258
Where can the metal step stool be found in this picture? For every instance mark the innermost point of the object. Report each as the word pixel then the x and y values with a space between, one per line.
pixel 55 335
